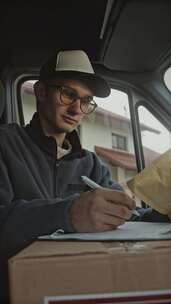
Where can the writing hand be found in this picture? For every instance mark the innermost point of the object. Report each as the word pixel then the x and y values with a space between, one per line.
pixel 100 210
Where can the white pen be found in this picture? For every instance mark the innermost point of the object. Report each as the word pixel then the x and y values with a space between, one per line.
pixel 93 185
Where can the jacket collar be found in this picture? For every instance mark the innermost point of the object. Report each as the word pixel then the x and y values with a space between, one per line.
pixel 48 144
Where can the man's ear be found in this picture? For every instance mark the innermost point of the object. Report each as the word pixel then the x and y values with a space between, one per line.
pixel 40 91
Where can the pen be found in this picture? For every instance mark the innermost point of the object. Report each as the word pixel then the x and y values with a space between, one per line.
pixel 94 185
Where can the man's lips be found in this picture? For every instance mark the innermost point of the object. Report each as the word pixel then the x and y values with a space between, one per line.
pixel 69 119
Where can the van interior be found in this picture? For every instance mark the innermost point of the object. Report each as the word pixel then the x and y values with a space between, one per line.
pixel 129 44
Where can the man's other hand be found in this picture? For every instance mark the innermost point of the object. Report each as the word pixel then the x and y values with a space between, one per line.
pixel 101 209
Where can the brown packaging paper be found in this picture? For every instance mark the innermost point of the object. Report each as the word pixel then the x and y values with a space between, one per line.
pixel 153 184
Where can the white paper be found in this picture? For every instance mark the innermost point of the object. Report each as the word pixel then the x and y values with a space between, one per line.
pixel 130 231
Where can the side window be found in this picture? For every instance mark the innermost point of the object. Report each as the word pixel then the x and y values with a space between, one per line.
pixel 107 131
pixel 156 139
pixel 167 78
pixel 28 100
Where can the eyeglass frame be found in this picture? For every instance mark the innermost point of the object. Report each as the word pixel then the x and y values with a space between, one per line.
pixel 59 87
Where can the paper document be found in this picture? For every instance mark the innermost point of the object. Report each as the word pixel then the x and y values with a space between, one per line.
pixel 130 231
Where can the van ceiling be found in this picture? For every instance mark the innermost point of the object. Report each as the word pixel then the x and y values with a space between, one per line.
pixel 30 30
pixel 141 36
pixel 136 37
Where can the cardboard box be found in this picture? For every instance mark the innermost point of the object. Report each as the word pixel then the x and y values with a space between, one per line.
pixel 49 268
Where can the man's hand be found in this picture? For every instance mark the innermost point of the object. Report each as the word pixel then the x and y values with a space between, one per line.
pixel 100 210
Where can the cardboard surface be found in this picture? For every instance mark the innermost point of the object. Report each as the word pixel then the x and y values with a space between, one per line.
pixel 48 268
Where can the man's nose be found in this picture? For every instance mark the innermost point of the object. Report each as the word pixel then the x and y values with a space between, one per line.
pixel 75 106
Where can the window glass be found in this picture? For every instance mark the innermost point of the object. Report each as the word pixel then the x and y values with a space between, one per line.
pixel 28 100
pixel 167 78
pixel 156 139
pixel 107 131
pixel 119 141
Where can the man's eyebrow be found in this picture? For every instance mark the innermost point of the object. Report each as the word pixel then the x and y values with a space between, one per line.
pixel 75 90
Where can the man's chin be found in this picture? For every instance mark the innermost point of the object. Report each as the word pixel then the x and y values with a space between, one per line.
pixel 65 129
pixel 69 130
pixel 69 127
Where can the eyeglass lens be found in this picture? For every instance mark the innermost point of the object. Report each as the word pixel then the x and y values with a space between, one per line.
pixel 69 96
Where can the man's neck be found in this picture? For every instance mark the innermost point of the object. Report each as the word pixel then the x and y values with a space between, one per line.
pixel 59 138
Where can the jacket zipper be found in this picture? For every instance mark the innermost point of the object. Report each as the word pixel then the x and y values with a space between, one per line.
pixel 57 164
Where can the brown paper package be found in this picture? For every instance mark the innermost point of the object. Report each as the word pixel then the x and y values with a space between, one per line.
pixel 153 184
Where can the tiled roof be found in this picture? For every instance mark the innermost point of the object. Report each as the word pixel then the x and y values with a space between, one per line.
pixel 124 159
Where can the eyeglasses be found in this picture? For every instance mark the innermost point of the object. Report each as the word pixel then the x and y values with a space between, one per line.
pixel 69 95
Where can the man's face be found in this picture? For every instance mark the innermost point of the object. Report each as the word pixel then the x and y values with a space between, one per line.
pixel 57 117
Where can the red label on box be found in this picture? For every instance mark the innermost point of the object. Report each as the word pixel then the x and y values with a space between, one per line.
pixel 157 297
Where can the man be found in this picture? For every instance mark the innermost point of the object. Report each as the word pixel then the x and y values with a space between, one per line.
pixel 41 164
pixel 41 189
